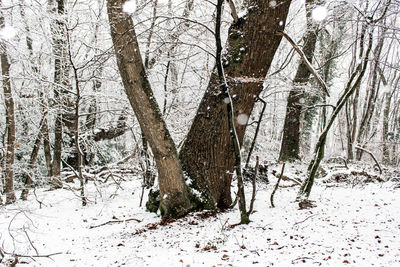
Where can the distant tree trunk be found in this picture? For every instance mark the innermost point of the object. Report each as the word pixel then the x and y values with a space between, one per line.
pixel 61 79
pixel 207 155
pixel 388 95
pixel 10 121
pixel 371 97
pixel 34 154
pixel 174 192
pixel 353 103
pixel 352 85
pixel 290 148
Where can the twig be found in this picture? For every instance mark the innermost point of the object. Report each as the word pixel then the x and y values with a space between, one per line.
pixel 30 241
pixel 372 156
pixel 253 142
pixel 115 221
pixel 277 185
pixel 306 62
pixel 29 256
pixel 305 219
pixel 253 195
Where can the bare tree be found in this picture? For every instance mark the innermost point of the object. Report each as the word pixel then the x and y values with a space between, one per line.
pixel 10 121
pixel 290 148
pixel 174 192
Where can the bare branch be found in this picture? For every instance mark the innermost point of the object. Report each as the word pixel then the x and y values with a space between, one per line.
pixel 115 221
pixel 372 156
pixel 306 62
pixel 233 11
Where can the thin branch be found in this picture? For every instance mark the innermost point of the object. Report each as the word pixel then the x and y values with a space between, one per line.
pixel 115 221
pixel 233 11
pixel 29 256
pixel 372 156
pixel 306 62
pixel 253 195
pixel 277 185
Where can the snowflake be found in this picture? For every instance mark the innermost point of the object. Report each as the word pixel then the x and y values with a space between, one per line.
pixel 242 119
pixel 129 7
pixel 7 33
pixel 319 13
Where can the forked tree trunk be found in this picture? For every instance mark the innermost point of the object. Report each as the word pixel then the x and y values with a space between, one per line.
pixel 10 121
pixel 208 156
pixel 290 147
pixel 174 192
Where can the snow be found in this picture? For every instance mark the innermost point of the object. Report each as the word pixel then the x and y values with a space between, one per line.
pixel 351 226
pixel 242 119
pixel 272 3
pixel 319 13
pixel 7 32
pixel 129 7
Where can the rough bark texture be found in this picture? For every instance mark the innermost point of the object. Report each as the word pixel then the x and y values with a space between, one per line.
pixel 208 156
pixel 10 121
pixel 174 192
pixel 290 147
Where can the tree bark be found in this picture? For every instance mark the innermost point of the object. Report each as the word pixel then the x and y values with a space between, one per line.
pixel 207 155
pixel 290 147
pixel 174 192
pixel 10 122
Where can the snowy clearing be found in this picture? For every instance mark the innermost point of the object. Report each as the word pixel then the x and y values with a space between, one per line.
pixel 351 225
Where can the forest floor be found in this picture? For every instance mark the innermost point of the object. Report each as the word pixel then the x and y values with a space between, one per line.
pixel 354 223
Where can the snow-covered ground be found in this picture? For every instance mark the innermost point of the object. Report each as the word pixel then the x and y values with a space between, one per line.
pixel 351 225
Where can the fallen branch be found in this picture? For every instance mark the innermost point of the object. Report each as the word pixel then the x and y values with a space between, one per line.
pixel 276 186
pixel 253 195
pixel 304 219
pixel 3 252
pixel 287 178
pixel 115 221
pixel 372 156
pixel 306 62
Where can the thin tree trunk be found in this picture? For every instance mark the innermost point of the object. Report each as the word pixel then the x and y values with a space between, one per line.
pixel 207 155
pixel 352 85
pixel 244 217
pixel 61 79
pixel 370 98
pixel 10 122
pixel 174 192
pixel 34 154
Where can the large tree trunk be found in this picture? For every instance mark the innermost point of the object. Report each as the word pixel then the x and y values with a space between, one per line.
pixel 290 148
pixel 174 192
pixel 10 122
pixel 208 156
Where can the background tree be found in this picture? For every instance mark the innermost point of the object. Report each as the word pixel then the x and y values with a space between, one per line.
pixel 290 148
pixel 10 120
